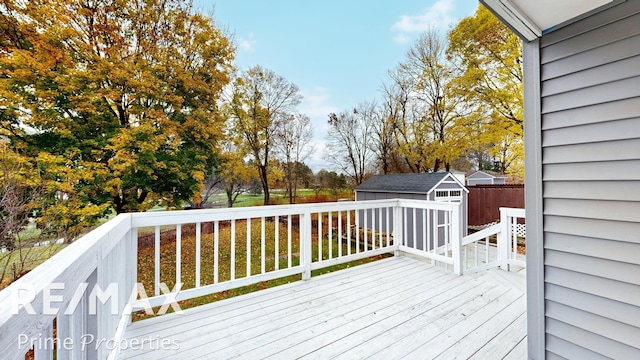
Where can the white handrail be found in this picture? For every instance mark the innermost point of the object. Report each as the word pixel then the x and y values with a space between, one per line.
pixel 63 275
pixel 504 253
pixel 344 231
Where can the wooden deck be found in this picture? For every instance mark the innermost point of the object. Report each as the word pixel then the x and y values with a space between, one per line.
pixel 397 308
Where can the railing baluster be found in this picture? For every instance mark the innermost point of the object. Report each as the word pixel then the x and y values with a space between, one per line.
pixel 428 230
pixel 216 250
pixel 305 244
pixel 44 352
pixel 289 240
pixel 424 230
pixel 248 271
pixel 475 252
pixel 404 216
pixel 64 330
pixel 157 261
pixel 358 212
pixel 198 242
pixel 486 250
pixel 447 232
pixel 263 250
pixel 387 228
pixel 366 230
pixel 330 234
pixel 178 253
pixel 455 237
pixel 373 229
pixel 348 232
pixel 277 241
pixel 434 228
pixel 233 249
pixel 380 227
pixel 319 236
pixel 514 231
pixel 415 230
pixel 339 233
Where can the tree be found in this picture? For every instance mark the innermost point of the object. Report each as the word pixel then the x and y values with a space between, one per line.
pixel 437 106
pixel 261 100
pixel 382 143
pixel 122 90
pixel 66 205
pixel 235 173
pixel 350 136
pixel 329 180
pixel 20 192
pixel 489 57
pixel 304 175
pixel 294 136
pixel 393 119
pixel 422 117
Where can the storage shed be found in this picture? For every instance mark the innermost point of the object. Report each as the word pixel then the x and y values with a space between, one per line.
pixel 582 168
pixel 438 186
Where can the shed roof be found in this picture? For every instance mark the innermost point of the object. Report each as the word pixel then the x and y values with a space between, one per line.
pixel 407 183
pixel 485 175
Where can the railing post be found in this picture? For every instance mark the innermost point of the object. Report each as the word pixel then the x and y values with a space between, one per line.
pixel 456 241
pixel 305 256
pixel 503 239
pixel 397 228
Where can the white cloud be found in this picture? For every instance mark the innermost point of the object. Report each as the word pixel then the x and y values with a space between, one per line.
pixel 246 44
pixel 402 38
pixel 315 103
pixel 437 16
pixel 317 160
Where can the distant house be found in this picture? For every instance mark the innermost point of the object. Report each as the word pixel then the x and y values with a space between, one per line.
pixel 438 186
pixel 483 178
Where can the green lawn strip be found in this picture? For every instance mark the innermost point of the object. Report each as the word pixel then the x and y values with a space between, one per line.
pixel 30 257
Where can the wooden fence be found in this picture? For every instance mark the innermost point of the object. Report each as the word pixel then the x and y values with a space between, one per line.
pixel 485 202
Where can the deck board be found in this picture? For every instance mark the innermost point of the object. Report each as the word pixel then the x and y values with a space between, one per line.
pixel 390 309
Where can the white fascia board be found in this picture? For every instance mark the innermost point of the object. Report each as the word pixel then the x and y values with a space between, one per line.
pixel 513 17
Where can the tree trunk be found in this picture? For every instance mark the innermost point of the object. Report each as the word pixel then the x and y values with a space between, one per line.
pixel 119 202
pixel 295 187
pixel 436 165
pixel 265 184
pixel 229 198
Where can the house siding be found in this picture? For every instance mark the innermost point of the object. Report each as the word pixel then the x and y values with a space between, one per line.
pixel 590 143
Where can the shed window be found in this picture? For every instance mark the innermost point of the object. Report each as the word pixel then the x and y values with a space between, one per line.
pixel 448 195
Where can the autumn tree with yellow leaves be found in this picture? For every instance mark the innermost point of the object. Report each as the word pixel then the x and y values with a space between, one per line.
pixel 116 101
pixel 453 98
pixel 489 58
pixel 261 102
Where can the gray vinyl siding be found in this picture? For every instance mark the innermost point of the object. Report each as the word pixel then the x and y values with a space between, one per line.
pixel 590 138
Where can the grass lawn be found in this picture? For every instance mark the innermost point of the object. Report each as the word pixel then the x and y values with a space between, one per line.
pixel 146 257
pixel 279 196
pixel 30 257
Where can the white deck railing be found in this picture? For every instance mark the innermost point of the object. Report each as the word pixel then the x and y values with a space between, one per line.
pixel 497 245
pixel 87 292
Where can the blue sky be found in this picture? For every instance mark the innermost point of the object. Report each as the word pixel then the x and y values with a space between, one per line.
pixel 337 52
